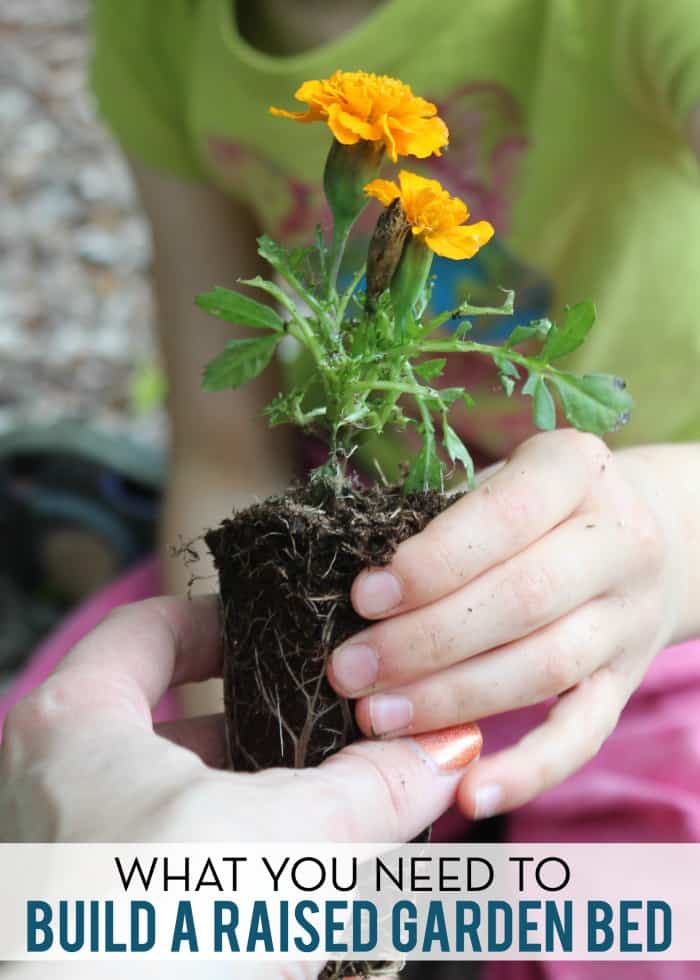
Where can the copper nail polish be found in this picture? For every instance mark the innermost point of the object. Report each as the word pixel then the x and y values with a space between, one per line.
pixel 454 747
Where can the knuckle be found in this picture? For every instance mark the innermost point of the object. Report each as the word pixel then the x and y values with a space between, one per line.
pixel 146 614
pixel 119 614
pixel 547 774
pixel 512 510
pixel 532 595
pixel 557 669
pixel 39 710
pixel 587 446
pixel 446 559
pixel 422 649
pixel 343 817
pixel 650 542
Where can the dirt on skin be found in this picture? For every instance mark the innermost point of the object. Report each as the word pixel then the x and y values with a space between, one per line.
pixel 286 567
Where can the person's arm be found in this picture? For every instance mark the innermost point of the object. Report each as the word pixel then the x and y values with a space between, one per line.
pixel 222 453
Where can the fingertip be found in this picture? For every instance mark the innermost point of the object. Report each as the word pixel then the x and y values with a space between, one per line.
pixel 363 718
pixel 376 592
pixel 480 796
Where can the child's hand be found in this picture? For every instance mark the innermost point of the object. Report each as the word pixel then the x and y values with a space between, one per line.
pixel 556 577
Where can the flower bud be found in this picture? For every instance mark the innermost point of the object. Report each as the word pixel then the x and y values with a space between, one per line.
pixel 410 278
pixel 348 169
pixel 385 249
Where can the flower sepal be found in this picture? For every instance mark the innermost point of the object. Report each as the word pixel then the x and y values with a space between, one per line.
pixel 410 279
pixel 347 171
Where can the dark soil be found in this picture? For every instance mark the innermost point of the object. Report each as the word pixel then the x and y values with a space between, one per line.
pixel 285 567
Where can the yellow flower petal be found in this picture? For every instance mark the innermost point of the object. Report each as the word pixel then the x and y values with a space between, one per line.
pixel 385 191
pixel 434 215
pixel 461 242
pixel 359 105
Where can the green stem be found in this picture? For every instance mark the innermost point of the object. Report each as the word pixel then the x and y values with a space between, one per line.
pixel 341 232
pixel 466 309
pixel 347 295
pixel 402 389
pixel 302 331
pixel 428 426
pixel 474 347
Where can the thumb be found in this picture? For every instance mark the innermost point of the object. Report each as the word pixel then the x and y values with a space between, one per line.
pixel 386 791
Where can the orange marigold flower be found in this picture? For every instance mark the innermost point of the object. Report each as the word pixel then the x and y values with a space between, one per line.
pixel 435 217
pixel 358 106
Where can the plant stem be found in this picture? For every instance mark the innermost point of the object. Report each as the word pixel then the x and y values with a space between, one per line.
pixel 474 347
pixel 341 231
pixel 347 295
pixel 403 389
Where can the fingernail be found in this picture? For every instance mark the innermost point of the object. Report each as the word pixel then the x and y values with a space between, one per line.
pixel 355 668
pixel 452 748
pixel 390 713
pixel 487 800
pixel 377 593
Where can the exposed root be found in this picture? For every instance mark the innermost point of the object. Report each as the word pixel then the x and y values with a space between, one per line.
pixel 285 567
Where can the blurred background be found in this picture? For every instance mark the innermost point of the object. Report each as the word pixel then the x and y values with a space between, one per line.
pixel 82 429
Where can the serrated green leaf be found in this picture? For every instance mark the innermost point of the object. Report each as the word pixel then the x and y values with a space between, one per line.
pixel 257 282
pixel 530 384
pixel 597 403
pixel 507 383
pixel 457 451
pixel 239 362
pixel 538 329
pixel 427 471
pixel 441 398
pixel 272 252
pixel 507 367
pixel 544 411
pixel 566 339
pixel 237 308
pixel 467 309
pixel 430 369
pixel 286 263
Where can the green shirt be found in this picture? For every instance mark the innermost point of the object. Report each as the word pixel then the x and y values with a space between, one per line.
pixel 567 123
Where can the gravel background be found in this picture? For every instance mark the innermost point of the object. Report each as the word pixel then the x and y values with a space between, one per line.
pixel 76 316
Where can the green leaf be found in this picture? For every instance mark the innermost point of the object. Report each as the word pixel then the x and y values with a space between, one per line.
pixel 467 309
pixel 508 373
pixel 507 367
pixel 507 383
pixel 430 369
pixel 462 329
pixel 237 308
pixel 565 339
pixel 286 262
pixel 287 408
pixel 272 252
pixel 457 451
pixel 538 329
pixel 595 403
pixel 544 410
pixel 426 472
pixel 257 282
pixel 530 384
pixel 441 398
pixel 240 361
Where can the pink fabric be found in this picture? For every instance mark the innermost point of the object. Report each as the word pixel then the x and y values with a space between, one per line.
pixel 644 784
pixel 139 583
